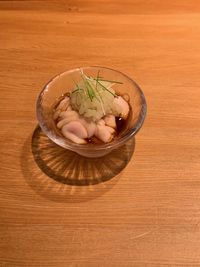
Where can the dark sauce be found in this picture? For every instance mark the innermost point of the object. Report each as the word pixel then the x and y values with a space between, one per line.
pixel 121 124
pixel 94 140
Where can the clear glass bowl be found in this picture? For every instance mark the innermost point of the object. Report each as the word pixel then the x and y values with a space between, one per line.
pixel 64 82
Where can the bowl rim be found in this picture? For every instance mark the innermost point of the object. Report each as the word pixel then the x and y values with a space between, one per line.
pixel 62 141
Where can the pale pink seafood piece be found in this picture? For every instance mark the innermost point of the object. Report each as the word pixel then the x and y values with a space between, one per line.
pixel 72 137
pixel 110 120
pixel 69 114
pixel 75 131
pixel 66 117
pixel 103 133
pixel 90 127
pixel 101 122
pixel 56 114
pixel 63 105
pixel 110 129
pixel 121 107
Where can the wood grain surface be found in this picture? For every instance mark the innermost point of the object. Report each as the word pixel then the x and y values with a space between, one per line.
pixel 148 214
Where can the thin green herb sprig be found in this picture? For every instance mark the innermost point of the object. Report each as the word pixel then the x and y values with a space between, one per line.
pixel 77 88
pixel 105 88
pixel 110 81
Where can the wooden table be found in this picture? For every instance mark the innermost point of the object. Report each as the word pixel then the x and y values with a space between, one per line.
pixel 146 215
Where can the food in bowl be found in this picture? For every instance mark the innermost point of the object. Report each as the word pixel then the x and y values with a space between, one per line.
pixel 62 85
pixel 92 112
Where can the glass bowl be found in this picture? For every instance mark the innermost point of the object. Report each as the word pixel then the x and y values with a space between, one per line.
pixel 64 82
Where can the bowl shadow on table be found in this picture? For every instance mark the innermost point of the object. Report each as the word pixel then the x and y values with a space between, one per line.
pixel 65 176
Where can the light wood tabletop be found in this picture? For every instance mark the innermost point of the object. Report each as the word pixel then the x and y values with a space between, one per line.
pixel 143 209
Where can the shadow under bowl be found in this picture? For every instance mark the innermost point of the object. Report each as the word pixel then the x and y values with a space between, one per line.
pixel 68 167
